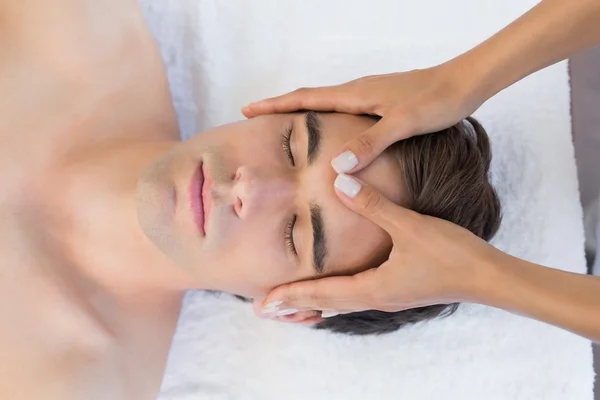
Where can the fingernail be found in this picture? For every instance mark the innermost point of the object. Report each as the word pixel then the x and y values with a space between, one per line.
pixel 329 314
pixel 271 307
pixel 288 311
pixel 349 186
pixel 344 162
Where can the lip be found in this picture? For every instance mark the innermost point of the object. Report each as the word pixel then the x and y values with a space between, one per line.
pixel 207 199
pixel 196 199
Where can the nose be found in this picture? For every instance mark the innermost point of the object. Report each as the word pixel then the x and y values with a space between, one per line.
pixel 257 191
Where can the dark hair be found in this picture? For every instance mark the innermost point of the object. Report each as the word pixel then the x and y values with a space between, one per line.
pixel 446 176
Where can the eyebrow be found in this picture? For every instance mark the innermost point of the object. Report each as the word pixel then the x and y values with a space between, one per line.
pixel 315 134
pixel 319 242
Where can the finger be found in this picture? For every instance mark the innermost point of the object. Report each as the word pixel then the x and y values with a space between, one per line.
pixel 371 204
pixel 300 317
pixel 329 313
pixel 344 293
pixel 326 98
pixel 287 315
pixel 364 148
pixel 256 307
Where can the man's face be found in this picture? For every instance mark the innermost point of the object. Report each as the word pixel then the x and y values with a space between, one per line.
pixel 263 213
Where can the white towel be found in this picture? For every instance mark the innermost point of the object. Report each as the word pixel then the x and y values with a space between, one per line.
pixel 223 54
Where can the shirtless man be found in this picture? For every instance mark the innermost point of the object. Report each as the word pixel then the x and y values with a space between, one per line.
pixel 107 218
pixel 79 78
pixel 88 303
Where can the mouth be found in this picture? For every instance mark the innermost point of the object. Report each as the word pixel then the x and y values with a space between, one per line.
pixel 205 194
pixel 197 199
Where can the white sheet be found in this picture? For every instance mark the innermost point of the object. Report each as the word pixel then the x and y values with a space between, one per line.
pixel 223 54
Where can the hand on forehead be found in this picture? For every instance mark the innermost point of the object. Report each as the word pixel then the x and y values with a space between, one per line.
pixel 353 242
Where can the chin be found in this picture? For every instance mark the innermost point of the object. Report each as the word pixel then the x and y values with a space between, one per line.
pixel 153 208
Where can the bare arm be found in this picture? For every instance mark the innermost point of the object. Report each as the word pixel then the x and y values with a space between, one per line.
pixel 548 33
pixel 567 300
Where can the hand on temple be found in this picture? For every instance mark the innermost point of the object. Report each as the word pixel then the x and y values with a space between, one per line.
pixel 432 262
pixel 410 103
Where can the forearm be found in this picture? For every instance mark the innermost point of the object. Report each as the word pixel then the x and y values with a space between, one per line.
pixel 548 33
pixel 567 300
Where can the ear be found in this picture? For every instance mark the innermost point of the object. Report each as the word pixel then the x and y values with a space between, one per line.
pixel 301 317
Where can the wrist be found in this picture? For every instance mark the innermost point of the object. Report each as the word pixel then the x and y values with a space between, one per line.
pixel 468 80
pixel 489 278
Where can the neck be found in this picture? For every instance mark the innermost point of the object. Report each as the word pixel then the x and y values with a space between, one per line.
pixel 110 246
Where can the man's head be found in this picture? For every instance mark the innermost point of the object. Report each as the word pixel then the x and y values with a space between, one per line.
pixel 271 214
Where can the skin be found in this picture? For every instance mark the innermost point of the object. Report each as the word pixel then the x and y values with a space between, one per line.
pixel 94 253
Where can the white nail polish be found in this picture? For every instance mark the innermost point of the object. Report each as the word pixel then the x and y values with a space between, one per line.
pixel 271 307
pixel 273 304
pixel 344 162
pixel 329 314
pixel 347 185
pixel 288 311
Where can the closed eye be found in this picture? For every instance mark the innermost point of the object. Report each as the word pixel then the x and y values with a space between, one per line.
pixel 289 230
pixel 289 236
pixel 286 144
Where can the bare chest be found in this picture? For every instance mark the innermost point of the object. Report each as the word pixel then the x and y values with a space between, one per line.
pixel 61 336
pixel 66 335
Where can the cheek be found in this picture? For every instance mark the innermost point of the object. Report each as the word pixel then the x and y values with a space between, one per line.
pixel 248 260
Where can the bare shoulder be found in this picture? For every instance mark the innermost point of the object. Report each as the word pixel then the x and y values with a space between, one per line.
pixel 75 72
pixel 68 339
pixel 56 344
pixel 52 349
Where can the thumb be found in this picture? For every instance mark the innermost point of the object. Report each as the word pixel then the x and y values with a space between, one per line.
pixel 369 202
pixel 364 148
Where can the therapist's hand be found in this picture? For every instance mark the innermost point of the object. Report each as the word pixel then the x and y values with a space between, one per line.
pixel 410 103
pixel 432 262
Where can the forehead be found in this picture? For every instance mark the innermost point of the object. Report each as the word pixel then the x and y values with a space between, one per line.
pixel 354 243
